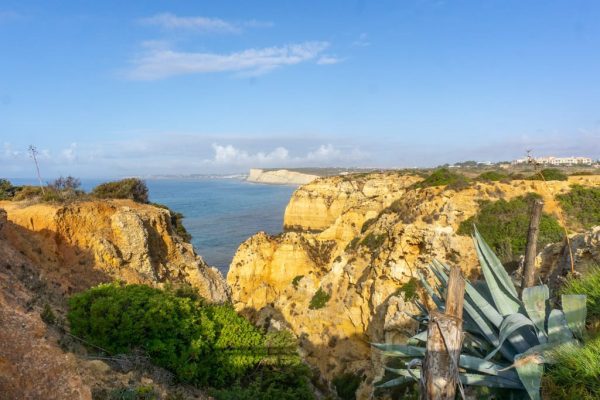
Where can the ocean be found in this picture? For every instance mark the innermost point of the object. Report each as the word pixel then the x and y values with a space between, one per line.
pixel 220 214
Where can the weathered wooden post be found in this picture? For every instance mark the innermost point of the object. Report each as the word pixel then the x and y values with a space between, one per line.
pixel 439 374
pixel 531 249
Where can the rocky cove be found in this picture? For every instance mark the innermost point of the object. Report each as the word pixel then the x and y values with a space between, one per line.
pixel 354 241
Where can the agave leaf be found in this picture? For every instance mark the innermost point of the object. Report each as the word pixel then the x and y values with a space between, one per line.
pixel 421 336
pixel 394 382
pixel 509 326
pixel 489 381
pixel 436 299
pixel 534 300
pixel 501 288
pixel 487 367
pixel 575 311
pixel 530 374
pixel 545 349
pixel 399 350
pixel 558 330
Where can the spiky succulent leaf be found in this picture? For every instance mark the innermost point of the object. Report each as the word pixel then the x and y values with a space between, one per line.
pixel 436 299
pixel 534 301
pixel 501 287
pixel 399 350
pixel 530 374
pixel 394 382
pixel 558 330
pixel 509 326
pixel 486 367
pixel 575 310
pixel 489 381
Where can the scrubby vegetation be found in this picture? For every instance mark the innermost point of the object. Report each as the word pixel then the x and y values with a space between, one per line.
pixel 202 344
pixel 589 285
pixel 582 205
pixel 409 289
pixel 130 188
pixel 492 176
pixel 504 225
pixel 549 174
pixel 444 177
pixel 176 222
pixel 319 299
pixel 373 241
pixel 7 190
pixel 296 281
pixel 346 386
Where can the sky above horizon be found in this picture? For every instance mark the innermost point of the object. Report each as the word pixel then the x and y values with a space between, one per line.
pixel 112 88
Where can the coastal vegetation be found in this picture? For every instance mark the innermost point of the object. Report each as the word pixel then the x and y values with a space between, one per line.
pixel 504 226
pixel 549 174
pixel 319 299
pixel 582 205
pixel 207 345
pixel 444 177
pixel 130 188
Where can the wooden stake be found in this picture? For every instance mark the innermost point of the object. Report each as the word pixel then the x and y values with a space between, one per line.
pixel 439 375
pixel 531 249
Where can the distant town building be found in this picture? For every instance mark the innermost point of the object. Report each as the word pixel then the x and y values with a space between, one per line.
pixel 555 161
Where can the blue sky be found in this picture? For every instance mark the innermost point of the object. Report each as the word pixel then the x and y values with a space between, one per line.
pixel 114 88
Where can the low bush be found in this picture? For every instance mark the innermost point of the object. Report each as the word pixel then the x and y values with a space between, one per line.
pixel 373 241
pixel 130 188
pixel 409 290
pixel 319 299
pixel 492 176
pixel 504 226
pixel 582 205
pixel 575 373
pixel 203 344
pixel 7 190
pixel 549 174
pixel 346 386
pixel 444 177
pixel 296 281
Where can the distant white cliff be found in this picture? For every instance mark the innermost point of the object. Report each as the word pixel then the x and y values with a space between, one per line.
pixel 279 177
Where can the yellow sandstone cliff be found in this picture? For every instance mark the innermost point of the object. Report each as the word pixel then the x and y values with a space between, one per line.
pixel 359 238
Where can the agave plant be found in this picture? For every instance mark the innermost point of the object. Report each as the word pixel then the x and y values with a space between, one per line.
pixel 506 339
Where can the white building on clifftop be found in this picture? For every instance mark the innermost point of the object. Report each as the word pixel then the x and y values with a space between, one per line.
pixel 555 161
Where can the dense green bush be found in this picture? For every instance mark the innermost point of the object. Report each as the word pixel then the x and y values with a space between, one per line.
pixel 296 281
pixel 550 174
pixel 176 222
pixel 444 177
pixel 504 225
pixel 582 204
pixel 346 386
pixel 492 176
pixel 7 190
pixel 575 374
pixel 203 344
pixel 373 241
pixel 130 188
pixel 319 299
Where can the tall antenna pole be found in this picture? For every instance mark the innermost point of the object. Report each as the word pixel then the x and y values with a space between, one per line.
pixel 33 153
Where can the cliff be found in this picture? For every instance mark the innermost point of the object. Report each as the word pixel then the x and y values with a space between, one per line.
pixel 279 177
pixel 359 239
pixel 49 251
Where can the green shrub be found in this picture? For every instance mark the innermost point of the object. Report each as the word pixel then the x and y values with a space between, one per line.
pixel 353 244
pixel 373 241
pixel 575 374
pixel 589 285
pixel 319 299
pixel 176 222
pixel 7 190
pixel 367 224
pixel 550 174
pixel 346 386
pixel 296 281
pixel 444 177
pixel 504 226
pixel 126 393
pixel 47 315
pixel 582 173
pixel 582 204
pixel 130 188
pixel 201 344
pixel 492 176
pixel 409 289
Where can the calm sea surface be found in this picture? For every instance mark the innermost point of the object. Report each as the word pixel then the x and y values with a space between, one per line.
pixel 219 213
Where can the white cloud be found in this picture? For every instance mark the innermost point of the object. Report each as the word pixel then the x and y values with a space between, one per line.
pixel 171 21
pixel 160 62
pixel 69 154
pixel 328 60
pixel 362 41
pixel 231 155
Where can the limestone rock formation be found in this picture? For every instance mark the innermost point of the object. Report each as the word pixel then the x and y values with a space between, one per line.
pixel 99 241
pixel 359 239
pixel 279 177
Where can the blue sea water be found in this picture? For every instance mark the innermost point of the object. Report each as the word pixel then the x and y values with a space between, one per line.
pixel 220 214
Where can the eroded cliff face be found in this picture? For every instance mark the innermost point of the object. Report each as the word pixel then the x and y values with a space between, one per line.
pixel 360 238
pixel 85 243
pixel 48 252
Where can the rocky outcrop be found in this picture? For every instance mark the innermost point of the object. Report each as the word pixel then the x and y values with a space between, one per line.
pixel 279 177
pixel 85 243
pixel 360 239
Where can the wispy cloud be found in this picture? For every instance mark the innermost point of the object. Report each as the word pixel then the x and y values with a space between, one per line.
pixel 159 61
pixel 201 24
pixel 329 60
pixel 362 41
